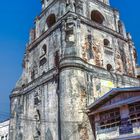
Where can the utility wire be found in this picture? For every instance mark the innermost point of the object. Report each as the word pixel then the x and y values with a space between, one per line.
pixel 26 118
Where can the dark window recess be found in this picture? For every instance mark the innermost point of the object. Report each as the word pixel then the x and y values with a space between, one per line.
pixel 90 51
pixel 120 27
pixel 39 133
pixel 109 67
pixel 43 51
pixel 43 61
pixel 36 100
pixel 43 72
pixel 134 112
pixel 51 20
pixel 110 118
pixel 38 113
pixel 44 48
pixel 97 17
pixel 33 74
pixel 56 59
pixel 106 43
pixel 138 76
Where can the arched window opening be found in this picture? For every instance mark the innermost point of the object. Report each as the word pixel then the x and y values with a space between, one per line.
pixel 51 20
pixel 106 43
pixel 109 67
pixel 43 58
pixel 36 99
pixel 44 49
pixel 23 85
pixel 32 74
pixel 96 16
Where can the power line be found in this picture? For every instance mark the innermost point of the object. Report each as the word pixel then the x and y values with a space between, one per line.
pixel 26 118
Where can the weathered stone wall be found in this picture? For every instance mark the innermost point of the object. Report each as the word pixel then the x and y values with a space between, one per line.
pixel 74 121
pixel 118 53
pixel 35 114
pixel 65 69
pixel 108 14
pixel 33 66
pixel 78 90
pixel 57 8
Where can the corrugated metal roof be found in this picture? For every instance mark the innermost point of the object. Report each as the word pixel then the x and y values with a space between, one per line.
pixel 112 93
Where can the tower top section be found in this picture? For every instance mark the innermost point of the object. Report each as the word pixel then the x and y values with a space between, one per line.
pixel 105 1
pixel 46 3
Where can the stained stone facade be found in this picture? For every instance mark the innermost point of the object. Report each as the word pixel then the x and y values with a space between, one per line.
pixel 77 52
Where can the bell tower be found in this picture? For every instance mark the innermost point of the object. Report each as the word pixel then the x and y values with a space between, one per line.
pixel 78 50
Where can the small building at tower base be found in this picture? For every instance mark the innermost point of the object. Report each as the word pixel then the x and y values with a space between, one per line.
pixel 116 115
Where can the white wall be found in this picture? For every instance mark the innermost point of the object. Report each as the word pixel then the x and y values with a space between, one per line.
pixel 4 130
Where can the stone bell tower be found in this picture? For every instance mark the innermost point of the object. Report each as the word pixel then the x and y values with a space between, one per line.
pixel 77 51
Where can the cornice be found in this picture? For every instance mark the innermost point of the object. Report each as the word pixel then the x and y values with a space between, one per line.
pixel 100 72
pixel 48 76
pixel 73 62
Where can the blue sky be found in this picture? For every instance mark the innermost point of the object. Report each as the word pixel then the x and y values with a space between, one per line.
pixel 17 17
